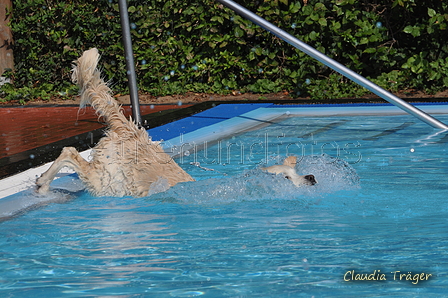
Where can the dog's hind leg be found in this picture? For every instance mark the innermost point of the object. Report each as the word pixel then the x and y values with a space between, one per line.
pixel 69 158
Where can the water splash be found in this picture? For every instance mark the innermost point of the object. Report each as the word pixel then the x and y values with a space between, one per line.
pixel 332 174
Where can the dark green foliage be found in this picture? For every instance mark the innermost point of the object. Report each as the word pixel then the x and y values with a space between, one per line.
pixel 201 46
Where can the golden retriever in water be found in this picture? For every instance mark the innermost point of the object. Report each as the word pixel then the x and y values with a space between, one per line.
pixel 125 162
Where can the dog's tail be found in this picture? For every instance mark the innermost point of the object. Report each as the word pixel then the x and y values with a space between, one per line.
pixel 93 90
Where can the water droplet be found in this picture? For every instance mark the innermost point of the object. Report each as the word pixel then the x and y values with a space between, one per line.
pixel 187 153
pixel 412 150
pixel 195 67
pixel 307 81
pixel 182 66
pixel 379 24
pixel 151 107
pixel 172 73
pixel 293 26
pixel 143 62
pixel 166 78
pixel 179 103
pixel 32 156
pixel 133 26
pixel 260 70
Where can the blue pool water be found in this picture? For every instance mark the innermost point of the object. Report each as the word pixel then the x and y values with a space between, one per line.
pixel 380 204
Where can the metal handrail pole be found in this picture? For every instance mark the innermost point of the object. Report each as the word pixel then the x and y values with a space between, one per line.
pixel 129 55
pixel 334 65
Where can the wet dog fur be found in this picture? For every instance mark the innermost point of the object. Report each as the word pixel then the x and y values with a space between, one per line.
pixel 125 162
pixel 289 172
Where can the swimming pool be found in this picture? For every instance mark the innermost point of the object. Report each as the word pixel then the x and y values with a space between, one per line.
pixel 380 207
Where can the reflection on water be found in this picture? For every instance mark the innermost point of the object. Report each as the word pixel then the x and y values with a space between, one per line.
pixel 104 240
pixel 103 246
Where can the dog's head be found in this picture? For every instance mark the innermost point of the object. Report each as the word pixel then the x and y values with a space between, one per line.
pixel 288 171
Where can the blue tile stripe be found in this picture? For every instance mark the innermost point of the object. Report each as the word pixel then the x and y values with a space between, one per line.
pixel 211 116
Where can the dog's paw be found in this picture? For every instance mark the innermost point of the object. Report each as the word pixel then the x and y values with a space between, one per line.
pixel 41 180
pixel 42 190
pixel 42 186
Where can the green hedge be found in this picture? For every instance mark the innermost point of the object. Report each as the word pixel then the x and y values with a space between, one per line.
pixel 201 46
